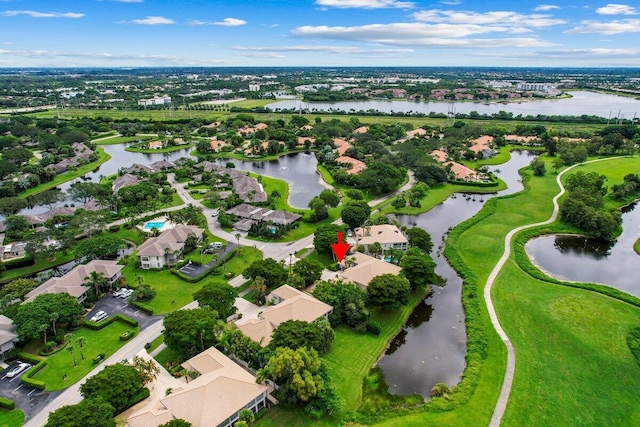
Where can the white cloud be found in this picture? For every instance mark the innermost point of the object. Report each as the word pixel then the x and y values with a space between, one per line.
pixel 366 4
pixel 35 14
pixel 274 25
pixel 617 9
pixel 320 48
pixel 135 58
pixel 546 7
pixel 230 22
pixel 600 52
pixel 420 34
pixel 153 20
pixel 196 22
pixel 607 28
pixel 502 18
pixel 264 55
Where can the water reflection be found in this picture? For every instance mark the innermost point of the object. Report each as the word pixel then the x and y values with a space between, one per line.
pixel 432 345
pixel 582 259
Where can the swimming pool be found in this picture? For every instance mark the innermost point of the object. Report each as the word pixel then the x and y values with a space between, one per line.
pixel 153 224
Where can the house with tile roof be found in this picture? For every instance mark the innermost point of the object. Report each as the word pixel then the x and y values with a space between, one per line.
pixel 461 172
pixel 365 268
pixel 289 304
pixel 8 336
pixel 249 215
pixel 73 282
pixel 389 236
pixel 166 249
pixel 355 166
pixel 125 180
pixel 215 398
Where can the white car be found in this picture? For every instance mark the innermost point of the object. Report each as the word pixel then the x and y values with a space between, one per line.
pixel 126 293
pixel 100 315
pixel 18 369
pixel 119 292
pixel 215 212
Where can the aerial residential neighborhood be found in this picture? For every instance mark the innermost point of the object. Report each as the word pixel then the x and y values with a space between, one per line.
pixel 319 213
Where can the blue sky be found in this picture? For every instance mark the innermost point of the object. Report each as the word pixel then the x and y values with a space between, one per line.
pixel 67 33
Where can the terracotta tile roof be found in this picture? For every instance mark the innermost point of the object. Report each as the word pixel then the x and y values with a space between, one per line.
pixel 462 172
pixel 356 166
pixel 439 155
pixel 341 145
pixel 481 144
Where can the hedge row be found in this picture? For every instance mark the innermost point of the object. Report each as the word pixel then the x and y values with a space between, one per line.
pixel 39 364
pixel 7 403
pixel 213 270
pixel 139 397
pixel 121 317
pixel 476 184
pixel 525 263
pixel 142 307
pixel 18 263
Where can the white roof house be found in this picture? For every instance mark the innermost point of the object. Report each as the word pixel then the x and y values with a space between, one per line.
pixel 389 236
pixel 365 268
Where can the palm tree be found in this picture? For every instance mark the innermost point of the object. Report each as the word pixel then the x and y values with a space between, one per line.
pixel 97 280
pixel 70 347
pixel 237 236
pixel 81 341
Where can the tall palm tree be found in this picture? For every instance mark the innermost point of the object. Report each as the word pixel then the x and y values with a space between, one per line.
pixel 98 281
pixel 237 236
pixel 81 341
pixel 70 348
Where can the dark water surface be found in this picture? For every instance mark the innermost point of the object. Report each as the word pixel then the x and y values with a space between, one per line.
pixel 432 345
pixel 582 259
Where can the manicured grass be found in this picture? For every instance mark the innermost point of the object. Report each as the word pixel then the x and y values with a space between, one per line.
pixel 13 418
pixel 136 149
pixel 61 258
pixel 325 260
pixel 69 175
pixel 171 291
pixel 168 355
pixel 251 103
pixel 302 252
pixel 571 347
pixel 122 139
pixel 155 343
pixel 105 340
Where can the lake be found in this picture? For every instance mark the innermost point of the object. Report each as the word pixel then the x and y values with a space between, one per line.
pixel 432 345
pixel 581 102
pixel 582 259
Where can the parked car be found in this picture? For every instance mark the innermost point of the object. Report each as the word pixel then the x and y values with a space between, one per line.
pixel 100 315
pixel 216 245
pixel 18 369
pixel 349 233
pixel 119 292
pixel 215 212
pixel 126 293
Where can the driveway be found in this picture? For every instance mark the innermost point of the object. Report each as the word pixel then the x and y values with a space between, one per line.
pixel 28 400
pixel 113 305
pixel 193 270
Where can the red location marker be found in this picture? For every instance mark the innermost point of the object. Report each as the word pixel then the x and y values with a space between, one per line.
pixel 339 249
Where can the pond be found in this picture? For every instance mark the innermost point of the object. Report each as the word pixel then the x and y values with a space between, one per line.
pixel 582 259
pixel 581 102
pixel 432 345
pixel 299 170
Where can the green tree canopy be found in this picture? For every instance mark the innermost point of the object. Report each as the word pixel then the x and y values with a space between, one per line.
pixel 191 331
pixel 388 291
pixel 420 238
pixel 419 271
pixel 84 192
pixel 330 197
pixel 297 372
pixel 89 412
pixel 178 422
pixel 42 314
pixel 348 302
pixel 325 235
pixel 317 335
pixel 273 272
pixel 100 247
pixel 355 213
pixel 218 296
pixel 116 384
pixel 309 269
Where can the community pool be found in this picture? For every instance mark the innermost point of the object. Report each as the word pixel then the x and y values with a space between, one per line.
pixel 153 224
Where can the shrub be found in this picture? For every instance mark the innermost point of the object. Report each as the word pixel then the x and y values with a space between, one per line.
pixel 39 364
pixel 99 358
pixel 7 403
pixel 439 389
pixel 374 327
pixel 142 307
pixel 114 228
pixel 121 317
pixel 127 336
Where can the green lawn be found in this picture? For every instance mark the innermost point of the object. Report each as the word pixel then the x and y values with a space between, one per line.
pixel 61 258
pixel 168 355
pixel 69 175
pixel 123 139
pixel 155 343
pixel 13 418
pixel 137 149
pixel 171 291
pixel 105 340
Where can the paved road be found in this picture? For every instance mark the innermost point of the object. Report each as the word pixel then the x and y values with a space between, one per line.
pixel 505 391
pixel 29 400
